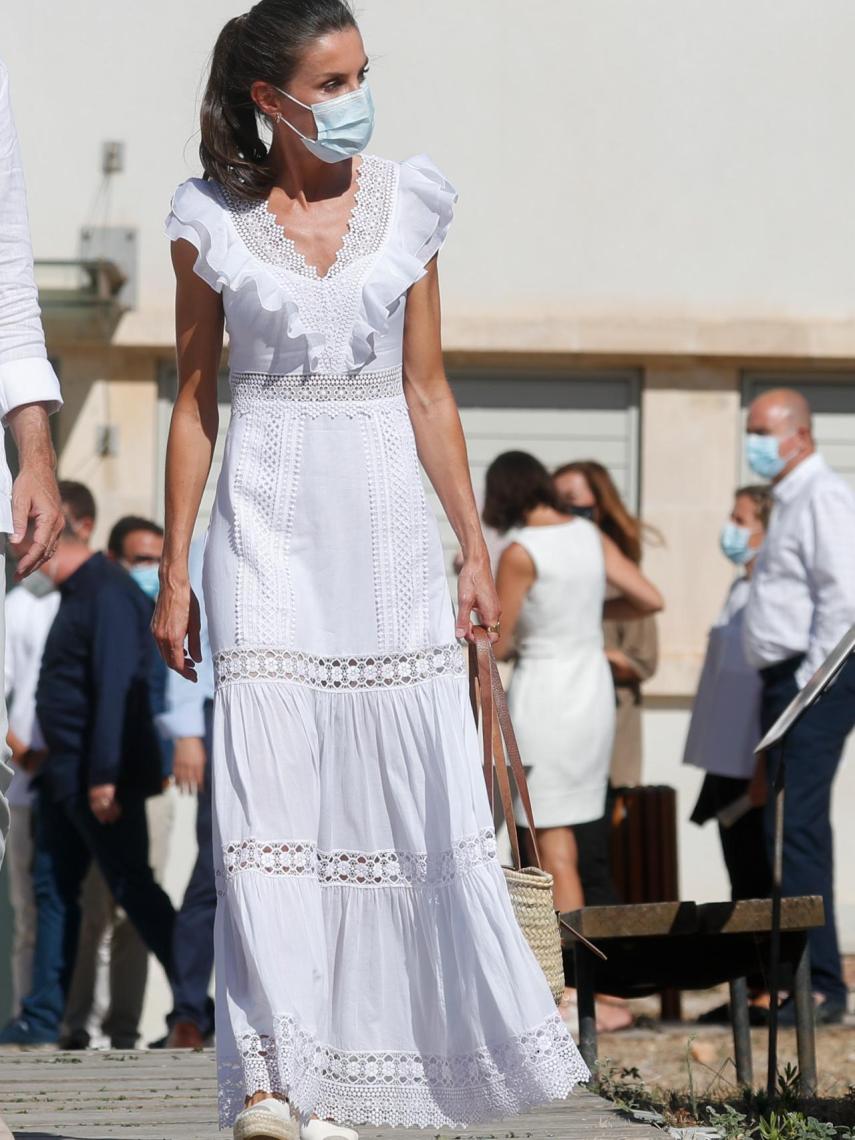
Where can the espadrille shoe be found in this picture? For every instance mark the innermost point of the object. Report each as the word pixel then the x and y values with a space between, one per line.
pixel 323 1130
pixel 270 1119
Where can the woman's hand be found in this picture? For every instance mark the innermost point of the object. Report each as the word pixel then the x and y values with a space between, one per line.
pixel 176 621
pixel 623 671
pixel 476 591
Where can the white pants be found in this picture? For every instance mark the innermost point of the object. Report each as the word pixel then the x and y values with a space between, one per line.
pixel 111 969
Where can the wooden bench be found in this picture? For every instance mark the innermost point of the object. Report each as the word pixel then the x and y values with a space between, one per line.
pixel 694 946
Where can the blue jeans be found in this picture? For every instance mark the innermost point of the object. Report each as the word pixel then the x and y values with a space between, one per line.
pixel 813 750
pixel 68 838
pixel 193 937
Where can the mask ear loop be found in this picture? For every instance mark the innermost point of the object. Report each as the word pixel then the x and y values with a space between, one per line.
pixel 280 118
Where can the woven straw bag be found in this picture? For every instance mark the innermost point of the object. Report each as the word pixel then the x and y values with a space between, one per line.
pixel 530 888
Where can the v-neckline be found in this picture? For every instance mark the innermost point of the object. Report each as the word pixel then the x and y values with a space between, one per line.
pixel 297 254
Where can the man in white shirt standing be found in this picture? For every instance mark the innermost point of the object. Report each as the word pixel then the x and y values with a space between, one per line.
pixel 29 391
pixel 29 616
pixel 802 601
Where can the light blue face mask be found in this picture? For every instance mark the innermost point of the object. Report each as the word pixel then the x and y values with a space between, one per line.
pixel 734 542
pixel 344 124
pixel 147 578
pixel 763 455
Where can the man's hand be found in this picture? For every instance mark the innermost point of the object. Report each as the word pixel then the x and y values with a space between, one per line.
pixel 31 760
pixel 103 803
pixel 188 764
pixel 37 516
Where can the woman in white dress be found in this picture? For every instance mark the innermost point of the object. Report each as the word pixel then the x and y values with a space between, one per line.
pixel 368 965
pixel 552 581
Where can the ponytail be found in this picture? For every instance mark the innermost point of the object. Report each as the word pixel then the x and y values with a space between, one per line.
pixel 266 44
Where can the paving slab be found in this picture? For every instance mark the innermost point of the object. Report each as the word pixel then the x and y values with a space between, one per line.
pixel 165 1095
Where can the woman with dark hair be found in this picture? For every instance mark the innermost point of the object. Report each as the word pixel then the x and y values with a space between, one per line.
pixel 632 647
pixel 552 582
pixel 369 966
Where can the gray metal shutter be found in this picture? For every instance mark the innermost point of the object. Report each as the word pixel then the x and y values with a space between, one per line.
pixel 558 417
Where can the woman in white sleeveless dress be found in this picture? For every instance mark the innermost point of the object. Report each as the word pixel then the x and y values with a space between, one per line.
pixel 368 965
pixel 552 580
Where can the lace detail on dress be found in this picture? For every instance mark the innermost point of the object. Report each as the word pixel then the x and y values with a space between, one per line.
pixel 257 389
pixel 374 671
pixel 266 484
pixel 328 304
pixel 296 858
pixel 399 528
pixel 361 868
pixel 263 235
pixel 391 1089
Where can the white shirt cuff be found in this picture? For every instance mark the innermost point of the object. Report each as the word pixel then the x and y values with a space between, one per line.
pixel 28 381
pixel 182 721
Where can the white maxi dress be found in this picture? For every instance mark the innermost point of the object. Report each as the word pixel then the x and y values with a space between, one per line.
pixel 368 963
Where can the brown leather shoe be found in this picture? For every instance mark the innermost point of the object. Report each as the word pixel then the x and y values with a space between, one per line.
pixel 185 1035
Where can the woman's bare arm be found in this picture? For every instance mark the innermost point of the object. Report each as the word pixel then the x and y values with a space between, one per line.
pixel 442 448
pixel 514 578
pixel 639 596
pixel 189 451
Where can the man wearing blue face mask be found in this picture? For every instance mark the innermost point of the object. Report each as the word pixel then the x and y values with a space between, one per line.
pixel 94 707
pixel 801 602
pixel 135 544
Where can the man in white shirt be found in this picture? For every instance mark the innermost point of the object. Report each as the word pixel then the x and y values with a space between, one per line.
pixel 802 601
pixel 29 391
pixel 29 616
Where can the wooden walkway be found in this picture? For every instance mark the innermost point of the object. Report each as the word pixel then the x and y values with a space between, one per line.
pixel 155 1095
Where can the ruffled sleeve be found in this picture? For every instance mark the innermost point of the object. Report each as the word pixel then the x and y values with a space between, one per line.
pixel 426 207
pixel 197 216
pixel 423 214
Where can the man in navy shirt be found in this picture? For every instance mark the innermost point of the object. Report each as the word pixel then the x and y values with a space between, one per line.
pixel 94 706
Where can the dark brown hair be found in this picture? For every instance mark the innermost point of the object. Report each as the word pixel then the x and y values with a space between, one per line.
pixel 130 524
pixel 761 496
pixel 516 483
pixel 265 43
pixel 77 500
pixel 612 517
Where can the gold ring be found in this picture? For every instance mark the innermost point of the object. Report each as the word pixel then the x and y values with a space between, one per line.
pixel 494 628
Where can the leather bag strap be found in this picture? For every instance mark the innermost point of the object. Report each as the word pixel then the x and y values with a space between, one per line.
pixel 497 734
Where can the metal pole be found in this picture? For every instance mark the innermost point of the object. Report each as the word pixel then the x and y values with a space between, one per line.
pixel 587 1009
pixel 741 1032
pixel 775 936
pixel 805 1041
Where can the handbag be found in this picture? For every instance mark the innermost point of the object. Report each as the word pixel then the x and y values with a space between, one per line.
pixel 530 888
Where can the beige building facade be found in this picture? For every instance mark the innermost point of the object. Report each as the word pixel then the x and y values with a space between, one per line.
pixel 655 220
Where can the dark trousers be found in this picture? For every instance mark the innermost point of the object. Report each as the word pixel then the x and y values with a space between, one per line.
pixel 593 847
pixel 193 937
pixel 68 838
pixel 813 750
pixel 744 844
